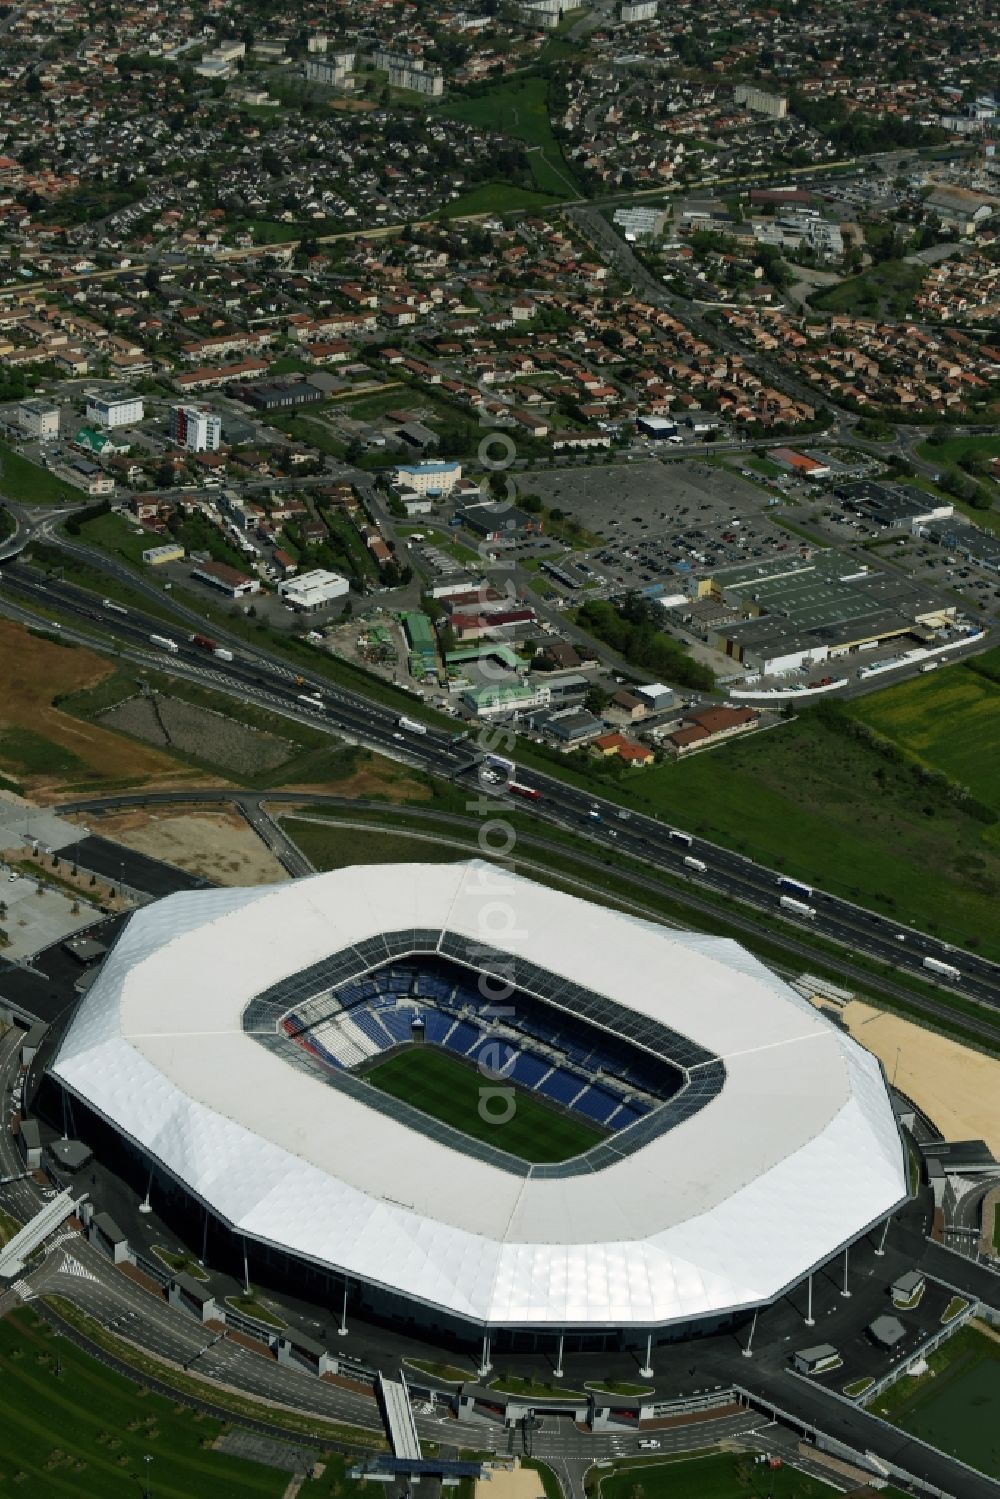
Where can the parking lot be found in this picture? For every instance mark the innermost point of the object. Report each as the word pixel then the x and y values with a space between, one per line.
pixel 660 524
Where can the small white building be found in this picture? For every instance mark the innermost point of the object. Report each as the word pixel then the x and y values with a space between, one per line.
pixel 116 408
pixel 38 419
pixel 313 590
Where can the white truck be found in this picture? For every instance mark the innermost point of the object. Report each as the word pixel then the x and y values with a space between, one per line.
pixel 165 643
pixel 697 864
pixel 943 970
pixel 412 726
pixel 797 907
pixel 222 653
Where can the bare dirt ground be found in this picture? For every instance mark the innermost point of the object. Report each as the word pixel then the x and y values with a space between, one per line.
pixel 956 1087
pixel 217 845
pixel 32 673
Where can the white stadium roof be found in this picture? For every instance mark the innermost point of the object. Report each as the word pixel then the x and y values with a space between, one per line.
pixel 797 1155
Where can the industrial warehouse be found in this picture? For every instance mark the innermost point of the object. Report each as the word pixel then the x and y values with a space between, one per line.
pixel 721 1139
pixel 793 611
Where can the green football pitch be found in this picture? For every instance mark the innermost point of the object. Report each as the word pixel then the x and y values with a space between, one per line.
pixel 452 1091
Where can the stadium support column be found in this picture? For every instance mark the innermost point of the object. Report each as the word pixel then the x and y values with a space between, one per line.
pixel 810 1319
pixel 342 1329
pixel 246 1271
pixel 557 1372
pixel 647 1369
pixel 145 1206
pixel 846 1291
pixel 880 1251
pixel 748 1350
pixel 484 1363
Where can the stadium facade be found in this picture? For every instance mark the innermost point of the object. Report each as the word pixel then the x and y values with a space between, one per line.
pixel 741 1139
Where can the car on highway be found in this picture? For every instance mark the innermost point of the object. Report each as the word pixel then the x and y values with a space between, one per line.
pixel 649 1444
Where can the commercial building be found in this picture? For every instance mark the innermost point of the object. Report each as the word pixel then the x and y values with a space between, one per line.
pixel 196 428
pixel 637 10
pixel 427 478
pixel 170 551
pixel 218 1063
pixel 38 419
pixel 640 223
pixel 500 522
pixel 313 590
pixel 497 701
pixel 814 1360
pixel 278 395
pixel 799 610
pixel 226 579
pixel 118 408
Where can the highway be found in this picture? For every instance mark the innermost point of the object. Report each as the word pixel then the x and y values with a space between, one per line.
pixel 258 676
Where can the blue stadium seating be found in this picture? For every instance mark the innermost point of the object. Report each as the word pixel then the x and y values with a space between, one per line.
pixel 561 1086
pixel 464 1037
pixel 529 1070
pixel 596 1104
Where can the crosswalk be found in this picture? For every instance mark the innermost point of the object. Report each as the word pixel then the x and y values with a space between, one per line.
pixel 71 1266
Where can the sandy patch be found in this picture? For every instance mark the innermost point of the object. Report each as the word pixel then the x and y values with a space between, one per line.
pixel 956 1087
pixel 510 1483
pixel 219 846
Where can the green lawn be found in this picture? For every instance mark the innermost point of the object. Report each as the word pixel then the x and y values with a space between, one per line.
pixel 952 1406
pixel 495 197
pixel 519 108
pixel 333 847
pixel 267 232
pixel 87 1430
pixel 32 485
pixel 956 448
pixel 448 1089
pixel 119 538
pixel 727 1475
pixel 888 288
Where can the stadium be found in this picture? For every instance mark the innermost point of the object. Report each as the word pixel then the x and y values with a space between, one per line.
pixel 478 1106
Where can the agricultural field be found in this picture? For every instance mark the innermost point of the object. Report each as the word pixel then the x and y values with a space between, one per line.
pixel 215 733
pixel 43 748
pixel 519 108
pixel 948 720
pixel 450 1090
pixel 952 1405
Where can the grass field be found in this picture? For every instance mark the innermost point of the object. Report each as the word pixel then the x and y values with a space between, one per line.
pixel 954 1404
pixel 826 807
pixel 87 1430
pixel 451 1091
pixel 519 108
pixel 949 720
pixel 328 846
pixel 721 1476
pixel 22 480
pixel 495 197
pixel 957 448
pixel 888 288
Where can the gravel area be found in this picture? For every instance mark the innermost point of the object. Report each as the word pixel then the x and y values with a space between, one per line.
pixel 171 723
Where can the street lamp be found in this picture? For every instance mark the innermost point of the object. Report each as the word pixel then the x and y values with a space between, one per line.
pixel 146 1492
